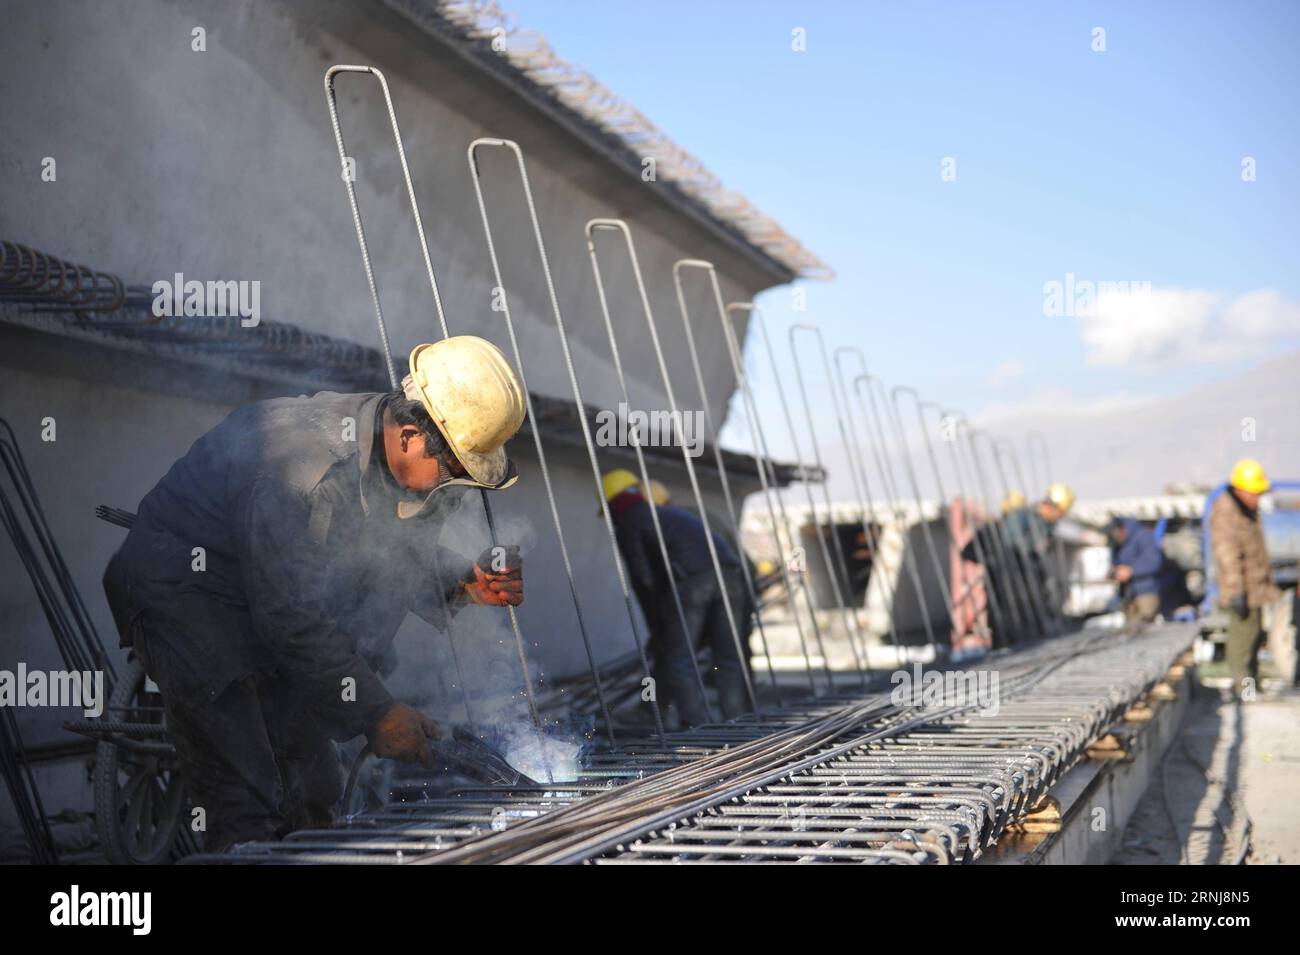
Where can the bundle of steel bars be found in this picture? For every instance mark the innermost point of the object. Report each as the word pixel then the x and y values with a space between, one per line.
pixel 873 778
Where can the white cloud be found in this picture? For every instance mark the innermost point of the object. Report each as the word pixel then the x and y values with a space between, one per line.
pixel 1175 326
pixel 1007 372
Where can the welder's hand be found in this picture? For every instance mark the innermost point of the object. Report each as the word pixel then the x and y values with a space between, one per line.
pixel 403 733
pixel 497 579
pixel 1239 606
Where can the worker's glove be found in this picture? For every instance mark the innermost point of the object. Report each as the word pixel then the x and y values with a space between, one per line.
pixel 1239 606
pixel 497 578
pixel 403 733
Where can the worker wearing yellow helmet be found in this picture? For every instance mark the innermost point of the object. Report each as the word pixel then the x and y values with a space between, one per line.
pixel 1243 570
pixel 703 620
pixel 266 574
pixel 1013 500
pixel 1056 503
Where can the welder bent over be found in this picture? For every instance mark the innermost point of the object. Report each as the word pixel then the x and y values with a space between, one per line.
pixel 266 575
pixel 702 598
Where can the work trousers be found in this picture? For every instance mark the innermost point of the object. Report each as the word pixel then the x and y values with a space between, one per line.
pixel 706 627
pixel 256 758
pixel 1242 649
pixel 1140 610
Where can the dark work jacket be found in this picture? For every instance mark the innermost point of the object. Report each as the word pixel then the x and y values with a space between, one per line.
pixel 296 514
pixel 688 553
pixel 1141 552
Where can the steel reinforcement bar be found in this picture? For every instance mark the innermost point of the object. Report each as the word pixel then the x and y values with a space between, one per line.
pixel 931 770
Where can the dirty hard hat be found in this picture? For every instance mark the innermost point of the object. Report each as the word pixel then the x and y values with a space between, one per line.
pixel 1061 495
pixel 658 493
pixel 475 399
pixel 1248 475
pixel 615 483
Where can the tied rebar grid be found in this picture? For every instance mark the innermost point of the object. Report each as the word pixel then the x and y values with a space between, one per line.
pixel 866 779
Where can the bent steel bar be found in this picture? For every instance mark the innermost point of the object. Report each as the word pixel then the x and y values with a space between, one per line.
pixel 619 226
pixel 347 177
pixel 1007 596
pixel 833 569
pixel 941 573
pixel 442 323
pixel 1004 445
pixel 1062 563
pixel 472 156
pixel 798 457
pixel 968 583
pixel 1021 544
pixel 761 455
pixel 862 488
pixel 707 267
pixel 880 449
pixel 1017 582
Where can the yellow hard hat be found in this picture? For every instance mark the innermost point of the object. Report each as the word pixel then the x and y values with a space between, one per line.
pixel 1014 501
pixel 658 493
pixel 474 397
pixel 1061 495
pixel 1248 475
pixel 615 483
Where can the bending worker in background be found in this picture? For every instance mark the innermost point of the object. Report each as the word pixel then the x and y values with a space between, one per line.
pixel 1136 560
pixel 266 575
pixel 701 596
pixel 1242 568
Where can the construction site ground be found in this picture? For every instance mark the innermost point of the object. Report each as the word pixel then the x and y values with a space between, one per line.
pixel 1233 771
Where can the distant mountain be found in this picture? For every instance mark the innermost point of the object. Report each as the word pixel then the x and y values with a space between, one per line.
pixel 1140 448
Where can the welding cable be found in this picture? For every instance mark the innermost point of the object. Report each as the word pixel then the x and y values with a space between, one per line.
pixel 761 455
pixel 862 489
pixel 732 514
pixel 347 176
pixel 840 565
pixel 353 775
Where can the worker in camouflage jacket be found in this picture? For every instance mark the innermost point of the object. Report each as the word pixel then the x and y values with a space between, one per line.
pixel 266 574
pixel 1242 568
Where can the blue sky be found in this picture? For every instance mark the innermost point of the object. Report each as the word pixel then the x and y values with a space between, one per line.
pixel 1123 165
